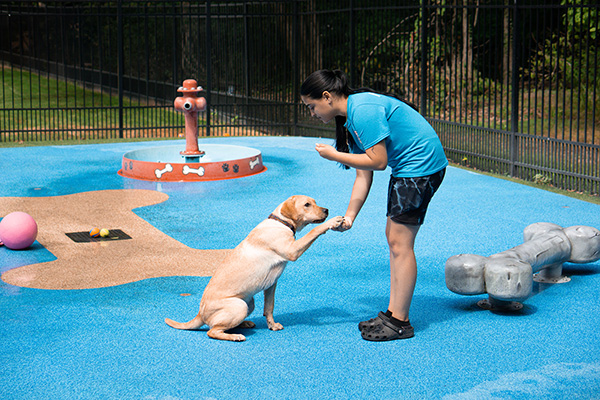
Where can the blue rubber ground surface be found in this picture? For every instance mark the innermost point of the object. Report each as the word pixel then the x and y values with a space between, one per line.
pixel 111 343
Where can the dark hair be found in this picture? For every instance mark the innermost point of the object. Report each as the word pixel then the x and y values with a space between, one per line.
pixel 325 80
pixel 336 82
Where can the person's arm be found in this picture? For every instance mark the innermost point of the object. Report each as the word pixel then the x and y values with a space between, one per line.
pixel 360 191
pixel 373 159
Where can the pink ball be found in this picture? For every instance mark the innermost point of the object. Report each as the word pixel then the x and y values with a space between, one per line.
pixel 18 230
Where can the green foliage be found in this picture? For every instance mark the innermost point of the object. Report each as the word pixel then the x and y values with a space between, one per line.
pixel 542 179
pixel 570 56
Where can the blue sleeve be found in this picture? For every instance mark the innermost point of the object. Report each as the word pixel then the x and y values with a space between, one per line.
pixel 371 127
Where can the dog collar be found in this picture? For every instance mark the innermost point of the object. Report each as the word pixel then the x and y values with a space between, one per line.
pixel 276 218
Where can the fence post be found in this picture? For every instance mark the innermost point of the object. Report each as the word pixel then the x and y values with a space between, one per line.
pixel 514 111
pixel 424 53
pixel 246 57
pixel 352 45
pixel 121 63
pixel 176 78
pixel 208 72
pixel 296 70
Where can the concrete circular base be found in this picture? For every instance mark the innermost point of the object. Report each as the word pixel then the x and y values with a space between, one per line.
pixel 167 164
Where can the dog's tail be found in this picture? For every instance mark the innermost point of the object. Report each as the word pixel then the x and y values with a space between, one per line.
pixel 196 323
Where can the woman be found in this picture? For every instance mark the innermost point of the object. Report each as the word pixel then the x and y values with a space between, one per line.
pixel 374 131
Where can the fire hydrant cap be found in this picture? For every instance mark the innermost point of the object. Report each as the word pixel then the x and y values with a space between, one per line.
pixel 189 85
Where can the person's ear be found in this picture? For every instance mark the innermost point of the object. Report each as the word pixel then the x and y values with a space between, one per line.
pixel 327 96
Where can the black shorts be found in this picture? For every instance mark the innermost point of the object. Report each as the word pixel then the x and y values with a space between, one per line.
pixel 408 198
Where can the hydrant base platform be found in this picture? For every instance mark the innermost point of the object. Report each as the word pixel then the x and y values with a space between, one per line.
pixel 167 164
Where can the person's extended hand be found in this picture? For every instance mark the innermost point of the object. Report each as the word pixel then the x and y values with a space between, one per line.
pixel 326 151
pixel 346 224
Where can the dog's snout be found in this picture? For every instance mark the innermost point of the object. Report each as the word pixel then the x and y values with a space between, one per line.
pixel 326 212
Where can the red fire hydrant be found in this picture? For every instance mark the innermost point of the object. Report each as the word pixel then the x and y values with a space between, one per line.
pixel 189 104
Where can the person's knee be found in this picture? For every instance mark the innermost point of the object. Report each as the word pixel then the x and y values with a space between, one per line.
pixel 401 246
pixel 401 250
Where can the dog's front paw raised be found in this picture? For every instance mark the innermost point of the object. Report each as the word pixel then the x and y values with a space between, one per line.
pixel 335 222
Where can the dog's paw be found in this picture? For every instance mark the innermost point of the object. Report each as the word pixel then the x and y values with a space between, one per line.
pixel 220 334
pixel 275 326
pixel 335 222
pixel 247 325
pixel 237 338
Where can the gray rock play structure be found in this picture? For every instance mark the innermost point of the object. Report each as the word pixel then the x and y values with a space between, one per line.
pixel 507 277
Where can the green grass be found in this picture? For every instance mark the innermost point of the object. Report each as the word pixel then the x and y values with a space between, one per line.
pixel 23 89
pixel 35 107
pixel 69 142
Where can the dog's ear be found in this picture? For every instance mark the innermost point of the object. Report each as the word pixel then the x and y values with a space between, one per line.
pixel 288 209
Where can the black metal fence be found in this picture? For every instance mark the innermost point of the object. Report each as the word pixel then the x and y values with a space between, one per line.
pixel 510 86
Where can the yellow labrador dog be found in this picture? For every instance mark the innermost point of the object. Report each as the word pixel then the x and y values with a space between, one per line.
pixel 255 265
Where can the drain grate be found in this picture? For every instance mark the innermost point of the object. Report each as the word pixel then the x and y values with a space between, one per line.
pixel 84 237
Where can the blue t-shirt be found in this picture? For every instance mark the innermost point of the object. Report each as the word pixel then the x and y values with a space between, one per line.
pixel 413 147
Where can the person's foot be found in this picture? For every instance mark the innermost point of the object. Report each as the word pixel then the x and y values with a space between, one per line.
pixel 364 324
pixel 385 328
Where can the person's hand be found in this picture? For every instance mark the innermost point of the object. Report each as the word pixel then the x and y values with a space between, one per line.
pixel 346 224
pixel 326 151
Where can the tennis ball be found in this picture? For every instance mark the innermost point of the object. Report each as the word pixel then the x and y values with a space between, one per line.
pixel 104 232
pixel 95 232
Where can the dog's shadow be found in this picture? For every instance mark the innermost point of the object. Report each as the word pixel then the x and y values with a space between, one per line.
pixel 428 310
pixel 313 317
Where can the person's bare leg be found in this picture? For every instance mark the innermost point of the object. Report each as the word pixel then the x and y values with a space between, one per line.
pixel 403 267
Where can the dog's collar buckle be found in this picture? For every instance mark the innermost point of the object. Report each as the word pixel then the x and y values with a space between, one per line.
pixel 276 218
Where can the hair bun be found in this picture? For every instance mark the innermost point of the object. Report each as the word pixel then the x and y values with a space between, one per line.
pixel 340 75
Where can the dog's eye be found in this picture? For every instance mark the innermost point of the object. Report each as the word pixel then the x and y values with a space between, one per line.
pixel 307 205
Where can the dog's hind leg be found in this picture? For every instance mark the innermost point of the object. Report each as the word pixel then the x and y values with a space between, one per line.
pixel 248 324
pixel 195 323
pixel 231 315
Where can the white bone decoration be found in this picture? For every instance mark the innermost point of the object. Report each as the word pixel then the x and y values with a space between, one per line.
pixel 160 172
pixel 188 170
